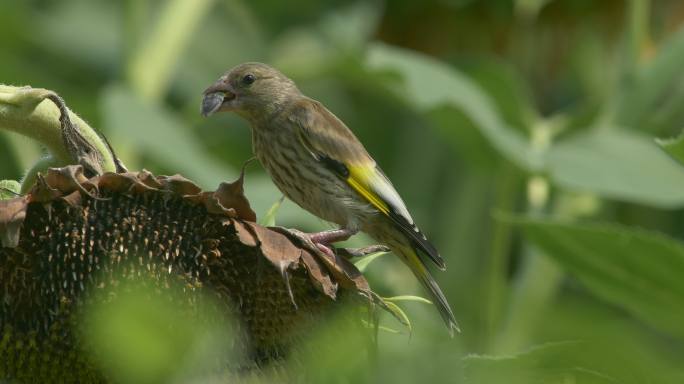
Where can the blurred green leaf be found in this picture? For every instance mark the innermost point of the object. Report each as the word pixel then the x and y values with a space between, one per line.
pixel 350 27
pixel 388 330
pixel 466 144
pixel 529 9
pixel 623 347
pixel 362 263
pixel 85 30
pixel 380 327
pixel 619 165
pixel 648 86
pixel 508 91
pixel 269 219
pixel 552 363
pixel 158 134
pixel 673 147
pixel 637 270
pixel 231 24
pixel 151 68
pixel 335 351
pixel 141 335
pixel 302 51
pixel 428 84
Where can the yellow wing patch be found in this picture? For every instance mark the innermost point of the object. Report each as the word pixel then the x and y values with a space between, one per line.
pixel 359 179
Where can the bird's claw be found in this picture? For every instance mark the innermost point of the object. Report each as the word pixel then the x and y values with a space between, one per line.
pixel 305 241
pixel 308 241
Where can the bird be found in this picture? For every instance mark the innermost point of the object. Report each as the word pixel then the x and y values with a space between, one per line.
pixel 318 163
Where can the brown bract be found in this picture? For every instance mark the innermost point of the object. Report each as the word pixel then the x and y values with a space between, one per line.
pixel 69 184
pixel 12 215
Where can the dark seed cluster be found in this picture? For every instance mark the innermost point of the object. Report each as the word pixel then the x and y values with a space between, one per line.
pixel 67 254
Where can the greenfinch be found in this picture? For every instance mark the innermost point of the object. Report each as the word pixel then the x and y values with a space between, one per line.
pixel 318 163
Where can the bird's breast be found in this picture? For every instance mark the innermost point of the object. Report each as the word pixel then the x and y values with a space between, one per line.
pixel 306 181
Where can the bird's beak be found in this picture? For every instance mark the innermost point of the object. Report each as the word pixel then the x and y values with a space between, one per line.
pixel 220 96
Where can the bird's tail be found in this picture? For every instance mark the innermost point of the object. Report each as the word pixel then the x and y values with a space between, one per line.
pixel 417 266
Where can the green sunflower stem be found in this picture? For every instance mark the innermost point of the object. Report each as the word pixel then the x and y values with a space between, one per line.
pixel 539 278
pixel 32 112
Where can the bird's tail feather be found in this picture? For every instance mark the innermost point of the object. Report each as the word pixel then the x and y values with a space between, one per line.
pixel 411 258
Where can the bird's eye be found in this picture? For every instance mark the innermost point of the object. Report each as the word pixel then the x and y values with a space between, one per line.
pixel 248 79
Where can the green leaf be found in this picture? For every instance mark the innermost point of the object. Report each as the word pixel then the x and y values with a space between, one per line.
pixel 362 263
pixel 380 327
pixel 269 219
pixel 199 65
pixel 673 147
pixel 408 298
pixel 619 165
pixel 143 337
pixel 507 89
pixel 637 270
pixel 351 26
pixel 330 352
pixel 399 314
pixel 82 30
pixel 530 9
pixel 9 189
pixel 428 84
pixel 388 329
pixel 645 91
pixel 553 363
pixel 157 133
pixel 338 35
pixel 624 348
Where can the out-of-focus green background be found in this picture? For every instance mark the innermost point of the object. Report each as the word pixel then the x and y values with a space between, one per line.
pixel 521 134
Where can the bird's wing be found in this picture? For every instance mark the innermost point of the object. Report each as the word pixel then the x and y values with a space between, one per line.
pixel 332 143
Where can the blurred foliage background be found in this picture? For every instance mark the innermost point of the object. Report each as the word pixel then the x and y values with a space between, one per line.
pixel 521 133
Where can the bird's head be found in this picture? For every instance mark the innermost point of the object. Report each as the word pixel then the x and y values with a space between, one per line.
pixel 250 90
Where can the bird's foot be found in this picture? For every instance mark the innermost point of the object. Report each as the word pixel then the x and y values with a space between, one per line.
pixel 332 236
pixel 319 241
pixel 328 250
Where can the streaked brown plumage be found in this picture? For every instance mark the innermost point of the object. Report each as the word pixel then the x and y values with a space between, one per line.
pixel 318 163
